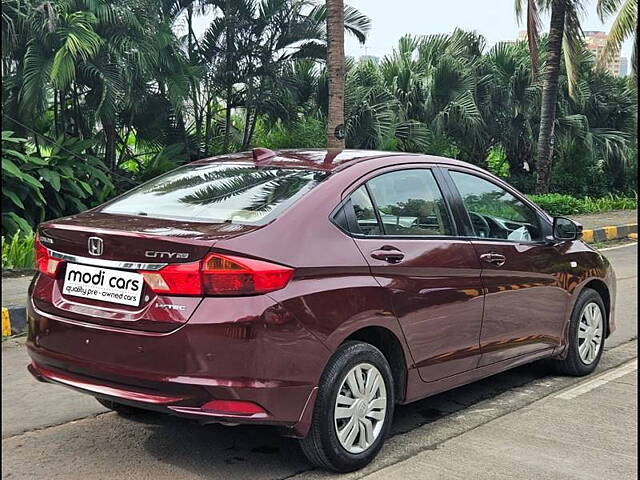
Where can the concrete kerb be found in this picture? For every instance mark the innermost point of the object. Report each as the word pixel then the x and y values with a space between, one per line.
pixel 613 232
pixel 14 320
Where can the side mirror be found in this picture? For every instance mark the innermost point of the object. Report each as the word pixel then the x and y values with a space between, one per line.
pixel 565 229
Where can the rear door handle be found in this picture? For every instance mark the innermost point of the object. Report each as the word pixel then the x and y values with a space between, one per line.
pixel 388 254
pixel 494 258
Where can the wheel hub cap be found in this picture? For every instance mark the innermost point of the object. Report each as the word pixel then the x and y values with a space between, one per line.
pixel 360 408
pixel 590 330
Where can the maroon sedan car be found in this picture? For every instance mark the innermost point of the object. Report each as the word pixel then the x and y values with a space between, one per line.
pixel 311 291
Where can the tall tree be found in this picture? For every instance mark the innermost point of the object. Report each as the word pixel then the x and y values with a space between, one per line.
pixel 565 36
pixel 624 26
pixel 335 70
pixel 533 30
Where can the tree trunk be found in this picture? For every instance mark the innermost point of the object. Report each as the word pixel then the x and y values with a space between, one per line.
pixel 110 136
pixel 549 97
pixel 56 121
pixel 335 71
pixel 228 72
pixel 192 60
pixel 207 127
pixel 247 115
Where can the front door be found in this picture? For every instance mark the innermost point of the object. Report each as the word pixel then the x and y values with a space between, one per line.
pixel 525 303
pixel 404 229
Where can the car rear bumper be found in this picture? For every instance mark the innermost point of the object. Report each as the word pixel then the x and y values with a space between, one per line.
pixel 177 373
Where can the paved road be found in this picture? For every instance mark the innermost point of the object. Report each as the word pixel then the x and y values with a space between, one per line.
pixel 604 219
pixel 52 432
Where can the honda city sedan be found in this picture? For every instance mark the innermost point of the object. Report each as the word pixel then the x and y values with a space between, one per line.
pixel 311 291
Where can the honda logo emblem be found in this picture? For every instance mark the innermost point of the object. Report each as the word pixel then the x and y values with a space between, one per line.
pixel 95 246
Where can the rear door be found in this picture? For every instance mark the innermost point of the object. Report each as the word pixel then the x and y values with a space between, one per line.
pixel 404 229
pixel 524 304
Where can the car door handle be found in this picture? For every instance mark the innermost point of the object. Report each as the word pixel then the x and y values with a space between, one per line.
pixel 388 254
pixel 494 258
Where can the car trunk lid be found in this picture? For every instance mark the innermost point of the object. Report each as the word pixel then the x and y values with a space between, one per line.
pixel 126 244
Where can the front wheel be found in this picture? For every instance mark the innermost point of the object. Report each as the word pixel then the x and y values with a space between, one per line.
pixel 353 411
pixel 587 332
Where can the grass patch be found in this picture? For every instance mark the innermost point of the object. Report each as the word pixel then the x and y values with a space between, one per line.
pixel 18 252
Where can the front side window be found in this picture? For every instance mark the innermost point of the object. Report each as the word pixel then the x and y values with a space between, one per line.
pixel 409 203
pixel 494 212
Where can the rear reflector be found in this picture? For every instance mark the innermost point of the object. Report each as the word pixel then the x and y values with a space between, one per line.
pixel 233 407
pixel 219 275
pixel 44 262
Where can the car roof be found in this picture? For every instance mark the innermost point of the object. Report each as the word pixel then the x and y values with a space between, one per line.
pixel 320 159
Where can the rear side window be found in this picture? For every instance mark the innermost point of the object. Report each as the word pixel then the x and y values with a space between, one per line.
pixel 365 215
pixel 222 192
pixel 408 203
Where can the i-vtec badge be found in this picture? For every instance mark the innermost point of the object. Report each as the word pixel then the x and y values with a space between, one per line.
pixel 154 254
pixel 171 306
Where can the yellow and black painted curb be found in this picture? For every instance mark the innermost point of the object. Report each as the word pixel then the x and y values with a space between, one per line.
pixel 615 232
pixel 14 320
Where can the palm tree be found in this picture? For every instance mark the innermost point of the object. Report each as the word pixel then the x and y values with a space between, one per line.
pixel 533 30
pixel 336 70
pixel 624 26
pixel 434 79
pixel 268 36
pixel 509 104
pixel 565 36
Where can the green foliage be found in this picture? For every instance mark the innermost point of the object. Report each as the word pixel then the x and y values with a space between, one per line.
pixel 497 163
pixel 49 181
pixel 557 204
pixel 18 251
pixel 141 169
pixel 307 132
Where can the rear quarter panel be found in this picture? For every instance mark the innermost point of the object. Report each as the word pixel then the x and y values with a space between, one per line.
pixel 332 293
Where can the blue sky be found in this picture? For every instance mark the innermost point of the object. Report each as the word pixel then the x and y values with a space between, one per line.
pixel 495 19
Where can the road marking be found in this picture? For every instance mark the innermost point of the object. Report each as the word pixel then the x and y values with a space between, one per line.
pixel 619 246
pixel 600 380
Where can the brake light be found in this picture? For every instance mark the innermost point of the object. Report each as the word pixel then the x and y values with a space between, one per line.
pixel 219 275
pixel 44 262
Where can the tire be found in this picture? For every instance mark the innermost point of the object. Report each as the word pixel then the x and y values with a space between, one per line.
pixel 322 446
pixel 575 363
pixel 120 409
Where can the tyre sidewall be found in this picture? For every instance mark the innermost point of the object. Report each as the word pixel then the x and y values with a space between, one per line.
pixel 350 355
pixel 587 296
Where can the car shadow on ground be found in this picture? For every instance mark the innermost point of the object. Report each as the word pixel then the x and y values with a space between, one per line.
pixel 203 449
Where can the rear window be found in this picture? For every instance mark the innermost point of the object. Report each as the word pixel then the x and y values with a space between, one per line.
pixel 220 192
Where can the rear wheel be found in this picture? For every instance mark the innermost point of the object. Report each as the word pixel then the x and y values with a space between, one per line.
pixel 353 411
pixel 124 410
pixel 587 332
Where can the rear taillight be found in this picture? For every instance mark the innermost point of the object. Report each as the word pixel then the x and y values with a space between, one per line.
pixel 219 275
pixel 44 262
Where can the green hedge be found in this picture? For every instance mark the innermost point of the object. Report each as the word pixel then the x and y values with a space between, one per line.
pixel 557 204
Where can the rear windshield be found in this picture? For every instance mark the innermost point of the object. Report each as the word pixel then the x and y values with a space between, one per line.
pixel 219 192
